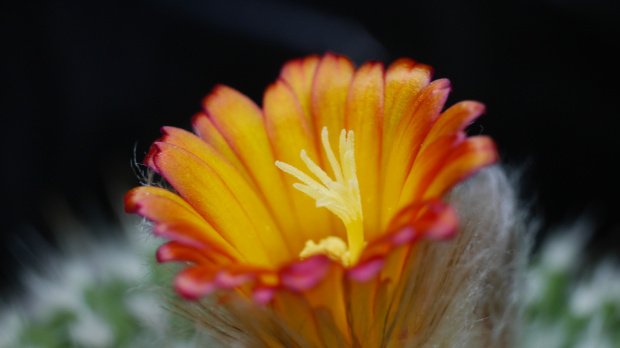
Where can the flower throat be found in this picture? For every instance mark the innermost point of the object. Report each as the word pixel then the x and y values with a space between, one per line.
pixel 341 197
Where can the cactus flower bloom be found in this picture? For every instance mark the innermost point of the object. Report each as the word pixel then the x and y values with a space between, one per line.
pixel 313 212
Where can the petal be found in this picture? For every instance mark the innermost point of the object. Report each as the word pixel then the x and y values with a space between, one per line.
pixel 289 135
pixel 183 229
pixel 243 192
pixel 426 166
pixel 364 117
pixel 430 219
pixel 329 96
pixel 361 297
pixel 389 283
pixel 193 283
pixel 366 270
pixel 409 135
pixel 241 123
pixel 174 251
pixel 304 275
pixel 175 219
pixel 207 132
pixel 285 124
pixel 207 278
pixel 403 81
pixel 138 193
pixel 299 75
pixel 455 119
pixel 448 127
pixel 192 178
pixel 471 155
pixel 328 298
pixel 228 281
pixel 298 314
pixel 194 234
pixel 207 153
pixel 263 295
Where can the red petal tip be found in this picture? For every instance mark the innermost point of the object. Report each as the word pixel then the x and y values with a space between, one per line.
pixel 366 271
pixel 190 289
pixel 305 274
pixel 263 295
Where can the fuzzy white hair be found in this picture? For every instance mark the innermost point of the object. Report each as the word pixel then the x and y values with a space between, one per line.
pixel 486 266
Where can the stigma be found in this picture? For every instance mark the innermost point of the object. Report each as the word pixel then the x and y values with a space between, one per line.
pixel 340 195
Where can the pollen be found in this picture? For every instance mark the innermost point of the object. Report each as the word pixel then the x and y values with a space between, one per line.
pixel 340 196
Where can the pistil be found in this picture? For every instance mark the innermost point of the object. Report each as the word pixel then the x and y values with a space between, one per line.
pixel 340 196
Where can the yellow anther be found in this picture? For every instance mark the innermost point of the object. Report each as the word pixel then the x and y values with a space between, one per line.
pixel 334 247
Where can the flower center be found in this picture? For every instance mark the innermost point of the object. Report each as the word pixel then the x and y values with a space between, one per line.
pixel 340 196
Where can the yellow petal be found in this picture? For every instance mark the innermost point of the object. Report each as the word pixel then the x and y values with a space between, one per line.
pixel 175 219
pixel 138 193
pixel 249 199
pixel 299 75
pixel 241 123
pixel 329 97
pixel 191 177
pixel 364 117
pixel 206 131
pixel 289 134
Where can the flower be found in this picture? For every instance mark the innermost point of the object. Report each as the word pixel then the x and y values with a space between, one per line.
pixel 315 212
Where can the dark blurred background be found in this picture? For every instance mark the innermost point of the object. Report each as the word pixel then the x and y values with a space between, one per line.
pixel 86 82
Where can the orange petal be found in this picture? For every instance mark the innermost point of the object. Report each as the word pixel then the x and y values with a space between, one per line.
pixel 427 164
pixel 192 178
pixel 429 219
pixel 403 81
pixel 455 119
pixel 471 155
pixel 409 135
pixel 329 96
pixel 241 123
pixel 289 135
pixel 364 114
pixel 299 75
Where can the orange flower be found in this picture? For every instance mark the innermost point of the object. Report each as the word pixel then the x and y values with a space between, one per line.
pixel 312 205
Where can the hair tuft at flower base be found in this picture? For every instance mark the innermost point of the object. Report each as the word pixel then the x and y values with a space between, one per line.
pixel 331 216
